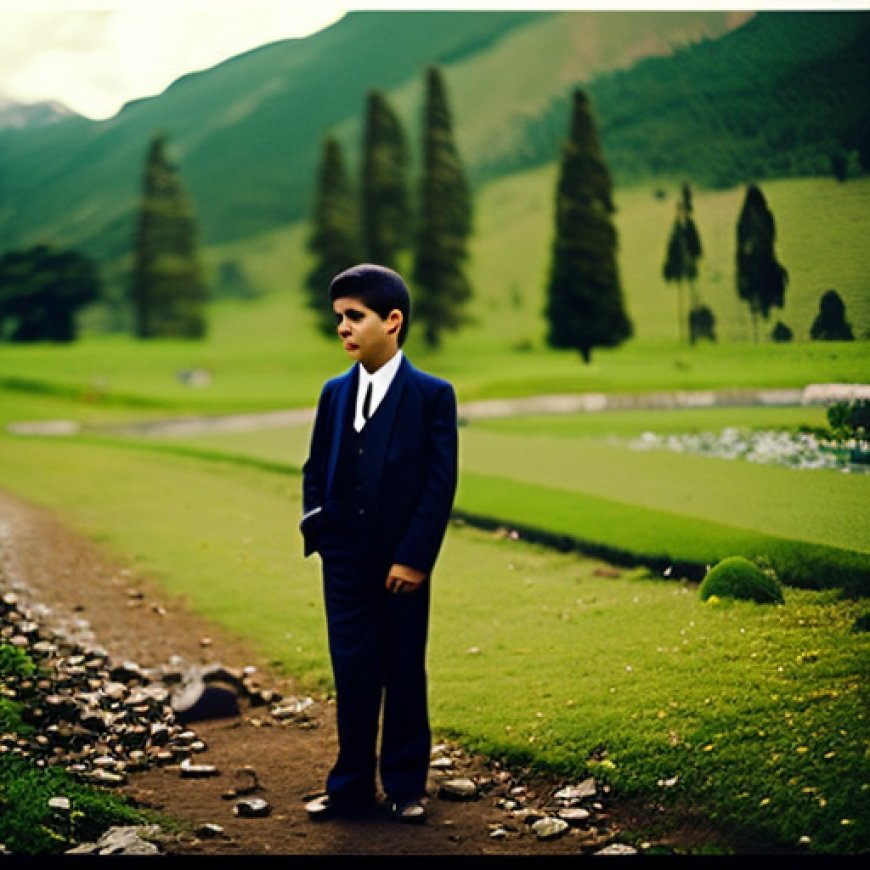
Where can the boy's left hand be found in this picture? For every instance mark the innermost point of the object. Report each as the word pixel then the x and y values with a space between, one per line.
pixel 403 578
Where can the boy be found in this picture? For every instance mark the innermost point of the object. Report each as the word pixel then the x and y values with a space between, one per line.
pixel 378 489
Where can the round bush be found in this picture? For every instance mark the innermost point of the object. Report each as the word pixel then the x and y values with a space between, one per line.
pixel 736 577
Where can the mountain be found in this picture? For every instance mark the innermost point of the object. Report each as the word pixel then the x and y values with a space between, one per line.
pixel 247 133
pixel 19 116
pixel 780 96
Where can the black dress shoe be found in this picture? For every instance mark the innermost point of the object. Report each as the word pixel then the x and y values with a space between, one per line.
pixel 325 807
pixel 409 812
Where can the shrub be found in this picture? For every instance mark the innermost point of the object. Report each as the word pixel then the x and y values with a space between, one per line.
pixel 14 662
pixel 28 826
pixel 850 419
pixel 781 332
pixel 737 577
pixel 830 323
pixel 702 323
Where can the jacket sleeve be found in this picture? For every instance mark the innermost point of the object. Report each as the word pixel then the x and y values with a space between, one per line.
pixel 314 471
pixel 425 533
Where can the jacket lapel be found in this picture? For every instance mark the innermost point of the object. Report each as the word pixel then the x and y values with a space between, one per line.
pixel 384 419
pixel 345 396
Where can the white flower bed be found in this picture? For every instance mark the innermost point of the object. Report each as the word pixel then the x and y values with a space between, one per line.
pixel 793 449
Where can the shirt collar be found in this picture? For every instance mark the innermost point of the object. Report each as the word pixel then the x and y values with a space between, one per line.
pixel 383 377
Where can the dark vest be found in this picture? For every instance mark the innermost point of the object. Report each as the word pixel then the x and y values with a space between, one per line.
pixel 356 485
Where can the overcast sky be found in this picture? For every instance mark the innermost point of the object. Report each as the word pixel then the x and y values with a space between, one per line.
pixel 95 55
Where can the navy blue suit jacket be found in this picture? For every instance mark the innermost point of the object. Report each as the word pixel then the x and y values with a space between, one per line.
pixel 415 466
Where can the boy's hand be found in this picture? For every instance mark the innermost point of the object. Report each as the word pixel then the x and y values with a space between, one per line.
pixel 402 578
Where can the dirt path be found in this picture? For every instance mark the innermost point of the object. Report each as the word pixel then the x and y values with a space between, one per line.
pixel 133 620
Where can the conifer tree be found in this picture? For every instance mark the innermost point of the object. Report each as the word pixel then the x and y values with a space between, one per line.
pixel 682 255
pixel 167 289
pixel 442 287
pixel 334 239
pixel 584 296
pixel 761 280
pixel 386 209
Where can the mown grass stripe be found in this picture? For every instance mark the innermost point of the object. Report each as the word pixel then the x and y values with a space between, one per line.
pixel 621 533
pixel 627 534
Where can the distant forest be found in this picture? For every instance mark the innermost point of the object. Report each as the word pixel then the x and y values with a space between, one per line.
pixel 784 95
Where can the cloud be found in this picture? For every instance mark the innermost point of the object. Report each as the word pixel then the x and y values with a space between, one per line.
pixel 95 56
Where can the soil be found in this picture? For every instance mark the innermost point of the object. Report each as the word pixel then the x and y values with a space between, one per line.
pixel 72 574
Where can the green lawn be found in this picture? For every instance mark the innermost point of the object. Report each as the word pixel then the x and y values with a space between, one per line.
pixel 575 476
pixel 821 506
pixel 758 712
pixel 536 657
pixel 115 377
pixel 265 353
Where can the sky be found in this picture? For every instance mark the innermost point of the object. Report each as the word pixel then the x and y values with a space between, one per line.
pixel 95 55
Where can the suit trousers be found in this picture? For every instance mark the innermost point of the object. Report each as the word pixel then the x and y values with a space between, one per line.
pixel 377 645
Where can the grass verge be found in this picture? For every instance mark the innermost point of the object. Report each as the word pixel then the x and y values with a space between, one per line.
pixel 630 534
pixel 28 825
pixel 756 714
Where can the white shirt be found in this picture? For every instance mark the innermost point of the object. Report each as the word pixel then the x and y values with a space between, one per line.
pixel 380 381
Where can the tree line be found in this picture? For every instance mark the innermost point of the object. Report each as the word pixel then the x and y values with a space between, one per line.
pixel 761 280
pixel 585 307
pixel 784 95
pixel 42 289
pixel 376 221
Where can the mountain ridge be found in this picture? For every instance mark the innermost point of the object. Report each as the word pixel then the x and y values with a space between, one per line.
pixel 247 132
pixel 17 115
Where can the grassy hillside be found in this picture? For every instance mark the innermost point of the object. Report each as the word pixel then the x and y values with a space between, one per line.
pixel 246 132
pixel 495 94
pixel 777 97
pixel 265 353
pixel 821 232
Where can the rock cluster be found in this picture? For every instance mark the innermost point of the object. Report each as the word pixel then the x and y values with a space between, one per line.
pixel 103 718
pixel 575 810
pixel 123 840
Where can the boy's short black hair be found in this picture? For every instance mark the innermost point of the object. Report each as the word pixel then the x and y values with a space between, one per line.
pixel 378 288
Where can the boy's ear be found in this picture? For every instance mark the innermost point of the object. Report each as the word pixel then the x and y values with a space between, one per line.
pixel 394 320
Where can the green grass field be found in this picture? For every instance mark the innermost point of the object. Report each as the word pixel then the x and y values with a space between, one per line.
pixel 576 476
pixel 265 353
pixel 535 657
pixel 814 505
pixel 759 712
pixel 821 226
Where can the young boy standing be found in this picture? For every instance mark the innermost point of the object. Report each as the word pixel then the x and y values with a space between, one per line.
pixel 378 489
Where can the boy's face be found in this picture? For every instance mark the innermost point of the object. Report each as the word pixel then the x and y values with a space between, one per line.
pixel 367 336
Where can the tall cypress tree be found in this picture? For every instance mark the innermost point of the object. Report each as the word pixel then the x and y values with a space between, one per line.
pixel 682 255
pixel 761 280
pixel 444 222
pixel 386 209
pixel 167 289
pixel 334 239
pixel 584 296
